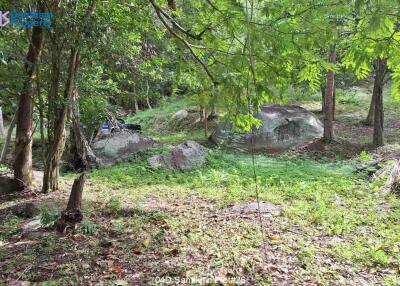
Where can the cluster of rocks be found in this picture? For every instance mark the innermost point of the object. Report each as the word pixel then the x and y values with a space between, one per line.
pixel 122 145
pixel 282 127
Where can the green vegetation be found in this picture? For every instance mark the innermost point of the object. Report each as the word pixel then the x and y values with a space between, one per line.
pixel 82 204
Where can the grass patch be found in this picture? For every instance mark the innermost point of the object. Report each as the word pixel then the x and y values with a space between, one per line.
pixel 325 196
pixel 166 107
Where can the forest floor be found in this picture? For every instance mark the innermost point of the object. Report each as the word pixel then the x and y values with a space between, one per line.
pixel 157 227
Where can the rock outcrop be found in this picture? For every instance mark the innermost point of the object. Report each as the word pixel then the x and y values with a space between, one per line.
pixel 283 127
pixel 121 145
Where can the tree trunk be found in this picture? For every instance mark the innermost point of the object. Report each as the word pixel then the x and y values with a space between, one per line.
pixel 41 119
pixel 328 109
pixel 73 214
pixel 136 106
pixel 201 113
pixel 380 71
pixel 214 113
pixel 369 121
pixel 323 90
pixel 23 139
pixel 148 102
pixel 75 198
pixel 205 122
pixel 334 103
pixel 81 153
pixel 7 142
pixel 2 131
pixel 370 117
pixel 56 147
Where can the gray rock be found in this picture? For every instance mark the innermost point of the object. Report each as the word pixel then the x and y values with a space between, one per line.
pixel 120 146
pixel 186 156
pixel 180 115
pixel 283 127
pixel 32 224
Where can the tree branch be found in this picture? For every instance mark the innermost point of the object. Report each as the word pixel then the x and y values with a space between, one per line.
pixel 180 28
pixel 188 45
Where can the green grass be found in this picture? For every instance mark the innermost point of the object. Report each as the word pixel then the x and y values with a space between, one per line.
pixel 165 107
pixel 325 197
pixel 328 212
pixel 176 138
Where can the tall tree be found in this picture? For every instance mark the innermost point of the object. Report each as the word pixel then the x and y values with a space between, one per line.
pixel 23 140
pixel 329 99
pixel 380 69
pixel 375 47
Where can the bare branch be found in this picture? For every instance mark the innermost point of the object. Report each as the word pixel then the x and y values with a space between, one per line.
pixel 188 45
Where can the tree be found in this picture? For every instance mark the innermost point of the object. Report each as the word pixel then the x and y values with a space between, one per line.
pixel 23 140
pixel 2 131
pixel 379 84
pixel 375 47
pixel 61 105
pixel 329 100
pixel 380 69
pixel 3 157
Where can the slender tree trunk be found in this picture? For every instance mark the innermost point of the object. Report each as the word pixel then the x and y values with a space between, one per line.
pixel 81 153
pixel 380 71
pixel 369 121
pixel 73 214
pixel 323 90
pixel 329 97
pixel 23 139
pixel 214 113
pixel 41 119
pixel 370 117
pixel 53 97
pixel 7 142
pixel 147 95
pixel 136 106
pixel 334 103
pixel 201 113
pixel 205 121
pixel 2 131
pixel 75 198
pixel 148 102
pixel 56 148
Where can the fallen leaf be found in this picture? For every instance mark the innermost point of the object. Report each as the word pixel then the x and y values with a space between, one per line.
pixel 146 242
pixel 76 237
pixel 116 269
pixel 273 237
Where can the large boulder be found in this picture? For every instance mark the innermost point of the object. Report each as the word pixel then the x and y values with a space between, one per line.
pixel 180 115
pixel 283 127
pixel 121 145
pixel 186 156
